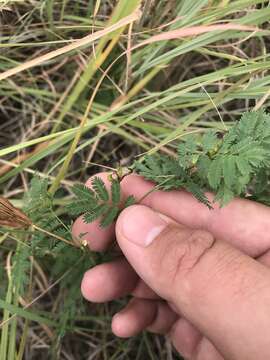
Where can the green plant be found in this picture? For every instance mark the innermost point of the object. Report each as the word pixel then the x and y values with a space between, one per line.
pixel 231 163
pixel 48 238
pixel 98 202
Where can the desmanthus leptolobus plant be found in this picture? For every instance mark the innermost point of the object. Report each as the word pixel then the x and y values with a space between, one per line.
pixel 232 163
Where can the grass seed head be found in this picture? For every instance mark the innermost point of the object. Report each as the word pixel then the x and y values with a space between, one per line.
pixel 11 216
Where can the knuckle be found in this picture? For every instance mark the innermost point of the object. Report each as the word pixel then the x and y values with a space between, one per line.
pixel 183 251
pixel 232 272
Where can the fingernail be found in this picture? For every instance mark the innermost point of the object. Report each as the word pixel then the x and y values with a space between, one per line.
pixel 141 225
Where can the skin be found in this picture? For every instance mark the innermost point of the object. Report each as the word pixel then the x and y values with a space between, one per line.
pixel 201 277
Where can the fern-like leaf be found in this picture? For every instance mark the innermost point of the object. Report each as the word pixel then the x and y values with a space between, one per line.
pixel 97 212
pixel 209 141
pixel 100 189
pixel 99 204
pixel 115 191
pixel 83 192
pixel 110 216
pixel 187 152
pixel 215 172
pixel 197 192
pixel 130 200
pixel 229 171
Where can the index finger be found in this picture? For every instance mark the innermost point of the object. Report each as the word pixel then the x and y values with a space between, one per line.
pixel 243 223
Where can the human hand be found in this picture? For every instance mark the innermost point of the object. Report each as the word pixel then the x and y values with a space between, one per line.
pixel 192 272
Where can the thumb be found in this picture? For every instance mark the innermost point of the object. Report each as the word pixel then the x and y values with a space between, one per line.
pixel 223 292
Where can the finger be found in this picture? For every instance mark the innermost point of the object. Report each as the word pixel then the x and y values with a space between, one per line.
pixel 228 223
pixel 98 238
pixel 142 290
pixel 214 286
pixel 158 318
pixel 190 343
pixel 241 222
pixel 164 319
pixel 140 314
pixel 185 337
pixel 113 280
pixel 109 281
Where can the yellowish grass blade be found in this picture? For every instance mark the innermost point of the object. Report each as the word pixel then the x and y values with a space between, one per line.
pixel 193 30
pixel 73 46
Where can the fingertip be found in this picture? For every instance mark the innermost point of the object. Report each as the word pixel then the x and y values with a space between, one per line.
pixel 104 176
pixel 108 281
pixel 85 286
pixel 134 318
pixel 119 326
pixel 98 238
pixel 92 285
pixel 122 326
pixel 140 225
pixel 131 214
pixel 124 220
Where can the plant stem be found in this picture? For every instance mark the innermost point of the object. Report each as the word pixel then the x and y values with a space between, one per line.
pixel 36 227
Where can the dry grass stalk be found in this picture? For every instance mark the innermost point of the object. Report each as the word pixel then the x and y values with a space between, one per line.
pixel 73 46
